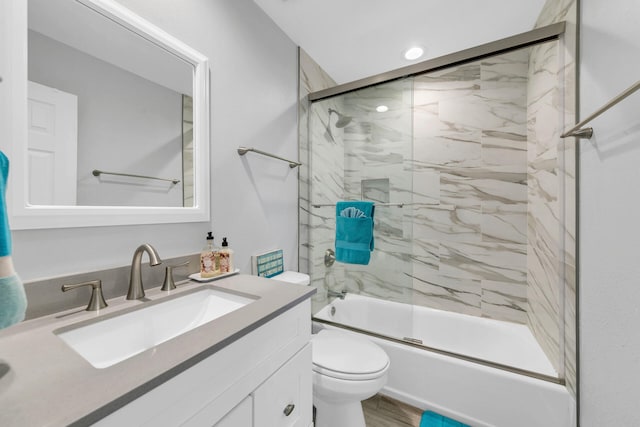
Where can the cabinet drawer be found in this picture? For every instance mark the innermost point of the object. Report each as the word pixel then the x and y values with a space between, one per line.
pixel 285 399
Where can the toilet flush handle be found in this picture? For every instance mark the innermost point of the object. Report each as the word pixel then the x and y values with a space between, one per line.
pixel 289 409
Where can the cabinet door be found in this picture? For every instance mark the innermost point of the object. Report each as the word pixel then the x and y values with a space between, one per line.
pixel 240 416
pixel 285 399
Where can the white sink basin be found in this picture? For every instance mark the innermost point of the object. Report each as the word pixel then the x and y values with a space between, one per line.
pixel 115 339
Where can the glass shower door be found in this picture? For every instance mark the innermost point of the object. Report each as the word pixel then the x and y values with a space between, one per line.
pixel 360 148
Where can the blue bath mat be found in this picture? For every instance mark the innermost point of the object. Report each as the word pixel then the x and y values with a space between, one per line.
pixel 431 419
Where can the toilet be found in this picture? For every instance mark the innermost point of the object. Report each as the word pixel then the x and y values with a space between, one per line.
pixel 346 370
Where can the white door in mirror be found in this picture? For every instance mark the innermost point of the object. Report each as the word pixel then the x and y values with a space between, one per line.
pixel 53 145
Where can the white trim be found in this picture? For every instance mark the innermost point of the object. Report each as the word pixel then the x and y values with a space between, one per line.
pixel 13 128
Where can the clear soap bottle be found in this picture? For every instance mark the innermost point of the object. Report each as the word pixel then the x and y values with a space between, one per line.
pixel 209 259
pixel 226 258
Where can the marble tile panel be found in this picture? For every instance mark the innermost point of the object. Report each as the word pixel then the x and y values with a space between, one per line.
pixel 425 253
pixel 368 282
pixel 500 262
pixel 543 322
pixel 426 186
pixel 504 222
pixel 475 112
pixel 428 92
pixel 509 67
pixel 504 301
pixel 453 148
pixel 432 289
pixel 458 188
pixel 447 223
pixel 312 77
pixel 505 147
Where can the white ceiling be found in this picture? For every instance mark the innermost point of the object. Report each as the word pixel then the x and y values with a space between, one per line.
pixel 353 39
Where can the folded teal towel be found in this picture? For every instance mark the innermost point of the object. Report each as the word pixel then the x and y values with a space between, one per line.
pixel 354 231
pixel 431 419
pixel 13 301
pixel 5 233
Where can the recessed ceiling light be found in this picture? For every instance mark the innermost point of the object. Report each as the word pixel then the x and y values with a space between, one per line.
pixel 412 53
pixel 382 108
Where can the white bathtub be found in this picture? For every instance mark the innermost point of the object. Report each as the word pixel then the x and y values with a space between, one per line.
pixel 472 393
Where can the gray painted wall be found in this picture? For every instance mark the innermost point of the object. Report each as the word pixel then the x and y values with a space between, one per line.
pixel 253 103
pixel 609 228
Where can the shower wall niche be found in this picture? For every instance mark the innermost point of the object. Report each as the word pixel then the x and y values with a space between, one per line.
pixel 464 165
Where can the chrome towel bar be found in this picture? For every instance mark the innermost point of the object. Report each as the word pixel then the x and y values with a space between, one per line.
pixel 244 150
pixel 97 172
pixel 400 205
pixel 587 133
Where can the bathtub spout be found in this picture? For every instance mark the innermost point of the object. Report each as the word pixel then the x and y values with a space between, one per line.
pixel 332 294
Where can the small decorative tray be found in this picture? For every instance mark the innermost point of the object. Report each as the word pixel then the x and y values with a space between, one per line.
pixel 197 278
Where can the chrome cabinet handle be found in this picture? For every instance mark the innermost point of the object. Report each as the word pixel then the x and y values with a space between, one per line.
pixel 97 299
pixel 289 409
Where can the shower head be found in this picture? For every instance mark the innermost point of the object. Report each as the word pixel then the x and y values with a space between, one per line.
pixel 342 119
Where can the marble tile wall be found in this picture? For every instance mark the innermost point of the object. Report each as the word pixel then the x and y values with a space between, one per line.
pixel 561 104
pixel 470 173
pixel 544 187
pixel 321 179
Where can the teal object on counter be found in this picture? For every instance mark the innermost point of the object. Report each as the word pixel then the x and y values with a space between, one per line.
pixel 354 231
pixel 13 301
pixel 5 233
pixel 432 419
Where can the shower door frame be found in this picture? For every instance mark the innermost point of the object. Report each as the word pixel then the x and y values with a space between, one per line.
pixel 529 38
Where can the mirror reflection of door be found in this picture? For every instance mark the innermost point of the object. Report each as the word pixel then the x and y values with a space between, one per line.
pixel 53 145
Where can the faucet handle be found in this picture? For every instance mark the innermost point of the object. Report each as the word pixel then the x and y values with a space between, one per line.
pixel 169 284
pixel 97 299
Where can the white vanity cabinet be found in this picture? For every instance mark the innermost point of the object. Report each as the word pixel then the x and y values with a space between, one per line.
pixel 256 380
pixel 284 400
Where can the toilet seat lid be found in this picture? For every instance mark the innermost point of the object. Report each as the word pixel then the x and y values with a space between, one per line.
pixel 339 355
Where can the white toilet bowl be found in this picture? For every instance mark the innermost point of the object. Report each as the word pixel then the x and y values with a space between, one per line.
pixel 346 370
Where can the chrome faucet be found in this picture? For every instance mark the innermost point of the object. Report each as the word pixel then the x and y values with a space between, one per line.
pixel 136 291
pixel 340 294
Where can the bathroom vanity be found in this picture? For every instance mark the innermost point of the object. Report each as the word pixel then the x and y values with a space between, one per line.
pixel 248 367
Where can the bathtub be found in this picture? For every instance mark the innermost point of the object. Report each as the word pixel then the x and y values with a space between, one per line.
pixel 459 387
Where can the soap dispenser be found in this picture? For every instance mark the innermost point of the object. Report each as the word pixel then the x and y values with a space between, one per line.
pixel 226 257
pixel 209 259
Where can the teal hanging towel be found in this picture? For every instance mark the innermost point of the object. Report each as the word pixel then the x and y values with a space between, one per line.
pixel 432 419
pixel 13 299
pixel 354 231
